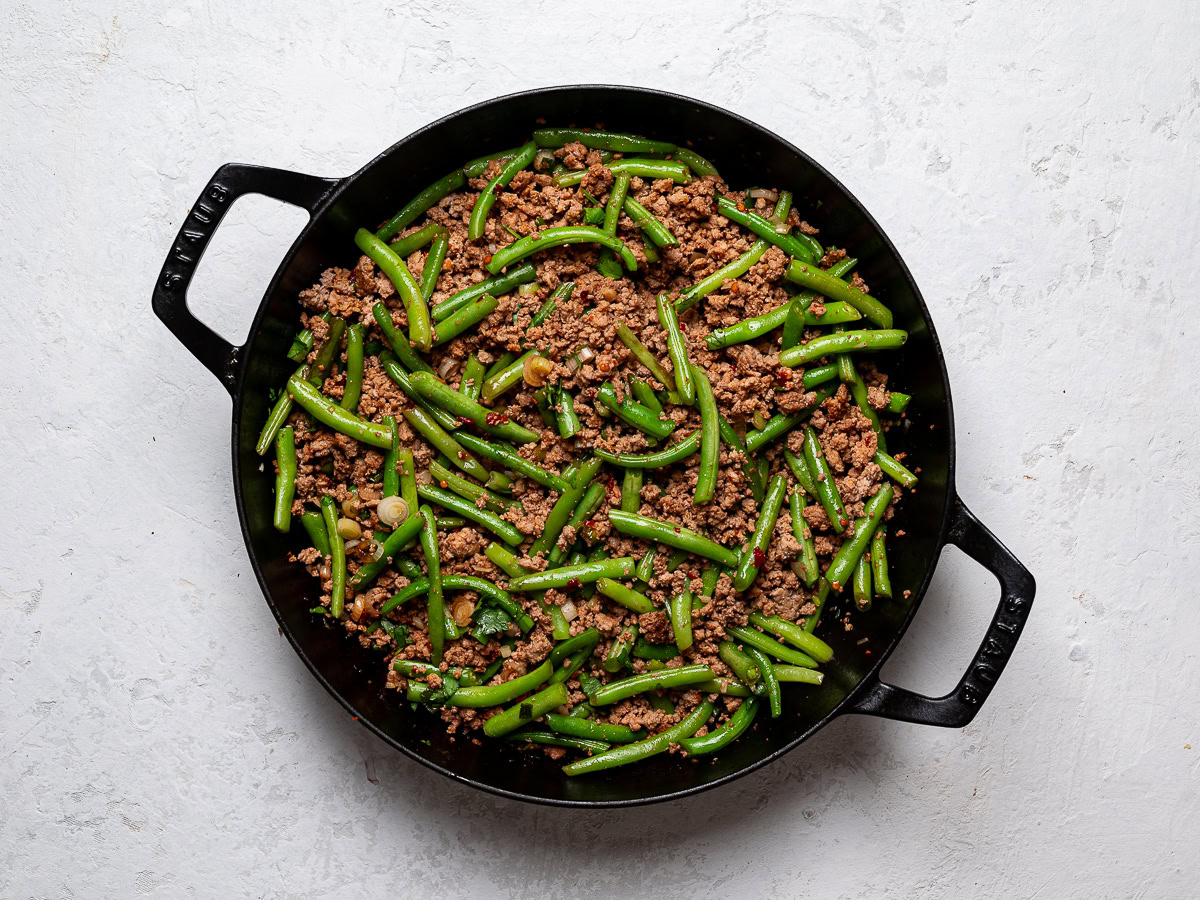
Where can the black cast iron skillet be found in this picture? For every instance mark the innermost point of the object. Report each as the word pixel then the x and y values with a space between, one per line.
pixel 746 155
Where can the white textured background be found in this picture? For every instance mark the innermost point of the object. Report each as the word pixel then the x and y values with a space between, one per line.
pixel 1036 164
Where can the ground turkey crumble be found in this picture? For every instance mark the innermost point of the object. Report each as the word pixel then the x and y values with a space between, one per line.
pixel 748 384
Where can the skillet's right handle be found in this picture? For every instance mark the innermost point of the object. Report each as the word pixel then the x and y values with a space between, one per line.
pixel 959 707
pixel 231 181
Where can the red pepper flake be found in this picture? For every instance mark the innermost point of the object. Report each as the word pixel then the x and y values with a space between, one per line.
pixel 783 376
pixel 464 420
pixel 493 418
pixel 574 584
pixel 487 259
pixel 444 484
pixel 677 529
pixel 759 557
pixel 741 206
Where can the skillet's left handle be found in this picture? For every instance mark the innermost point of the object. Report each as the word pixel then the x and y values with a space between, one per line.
pixel 959 707
pixel 231 181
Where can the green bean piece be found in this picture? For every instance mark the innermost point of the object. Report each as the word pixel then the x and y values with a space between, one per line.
pixel 568 499
pixel 672 535
pixel 558 740
pixel 822 477
pixel 419 327
pixel 722 737
pixel 322 363
pixel 623 595
pixel 898 402
pixel 391 474
pixel 803 534
pixel 748 637
pixel 566 418
pixel 487 199
pixel 644 168
pixel 440 440
pixel 727 272
pixel 631 753
pixel 619 653
pixel 800 472
pixel 680 608
pixel 823 589
pixel 708 581
pixel 734 441
pixel 497 286
pixel 813 646
pixel 467 317
pixel 397 340
pixel 739 663
pixel 409 244
pixel 644 394
pixel 486 695
pixel 506 561
pixel 506 531
pixel 303 343
pixel 656 460
pixel 841 568
pixel 858 390
pixel 405 566
pixel 710 437
pixel 411 668
pixel 278 415
pixel 730 687
pixel 861 584
pixel 770 681
pixel 836 313
pixel 676 559
pixel 394 544
pixel 476 167
pixel 408 477
pixel 329 413
pixel 503 361
pixel 285 478
pixel 337 556
pixel 842 267
pixel 600 140
pixel 618 567
pixel 463 407
pixel 657 233
pixel 557 237
pixel 527 710
pixel 469 490
pixel 354 367
pixel 817 279
pixel 754 554
pixel 681 676
pixel 643 649
pixel 797 674
pixel 450 523
pixel 420 203
pixel 498 481
pixel 645 567
pixel 314 524
pixel 631 490
pixel 471 381
pixel 747 329
pixel 436 625
pixel 765 229
pixel 894 469
pixel 508 457
pixel 616 201
pixel 648 250
pixel 496 384
pixel 819 375
pixel 583 511
pixel 676 349
pixel 644 356
pixel 570 655
pixel 633 413
pixel 779 425
pixel 794 321
pixel 694 161
pixel 879 563
pixel 395 371
pixel 434 260
pixel 585 728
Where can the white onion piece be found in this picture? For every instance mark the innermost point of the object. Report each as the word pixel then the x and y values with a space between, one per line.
pixel 376 551
pixel 763 193
pixel 348 529
pixel 350 545
pixel 446 366
pixel 543 158
pixel 568 610
pixel 573 364
pixel 586 353
pixel 505 651
pixel 392 510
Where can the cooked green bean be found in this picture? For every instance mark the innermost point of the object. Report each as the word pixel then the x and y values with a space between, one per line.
pixel 676 349
pixel 836 313
pixel 858 390
pixel 764 228
pixel 748 637
pixel 329 413
pixel 562 292
pixel 486 695
pixel 497 286
pixel 526 710
pixel 800 472
pixel 644 356
pixel 506 561
pixel 823 588
pixel 754 554
pixel 779 425
pixel 747 329
pixel 278 415
pixel 440 440
pixel 709 580
pixel 845 342
pixel 879 563
pixel 574 652
pixel 568 499
pixel 551 739
pixel 413 667
pixel 817 279
pixel 511 459
pixel 394 544
pixel 403 380
pixel 450 523
pixel 437 609
pixel 813 646
pixel 557 237
pixel 506 531
pixel 285 478
pixel 619 653
pixel 419 327
pixel 734 441
pixel 303 343
pixel 630 753
pixel 434 260
pixel 820 375
pixel 405 565
pixel 769 679
pixel 408 477
pixel 487 199
pixel 672 535
pixel 354 367
pixel 624 595
pixel 469 490
pixel 680 608
pixel 409 244
pixel 486 590
pixel 681 676
pixel 822 478
pixel 861 582
pixel 645 567
pixel 616 201
pixel 496 384
pixel 894 469
pixel 794 322
pixel 803 534
pixel 694 161
pixel 586 728
pixel 463 407
pixel 644 394
pixel 842 267
pixel 600 140
pixel 565 416
pixel 631 490
pixel 314 524
pixel 582 512
pixel 659 458
pixel 842 566
pixel 618 567
pixel 390 486
pixel 337 556
pixel 471 381
pixel 643 649
pixel 476 167
pixel 898 402
pixel 462 319
pixel 397 340
pixel 797 674
pixel 739 663
pixel 722 737
pixel 633 413
pixel 322 363
pixel 644 168
pixel 658 233
pixel 730 687
pixel 420 203
pixel 727 272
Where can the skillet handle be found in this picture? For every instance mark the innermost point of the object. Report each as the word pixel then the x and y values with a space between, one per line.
pixel 959 707
pixel 230 182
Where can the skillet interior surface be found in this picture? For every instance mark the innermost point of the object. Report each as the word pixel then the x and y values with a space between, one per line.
pixel 746 155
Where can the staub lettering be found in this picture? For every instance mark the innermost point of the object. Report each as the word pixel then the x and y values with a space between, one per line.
pixel 198 229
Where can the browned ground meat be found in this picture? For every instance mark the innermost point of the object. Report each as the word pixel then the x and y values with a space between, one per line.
pixel 747 383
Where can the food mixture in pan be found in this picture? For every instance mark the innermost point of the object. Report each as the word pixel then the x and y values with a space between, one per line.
pixel 585 443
